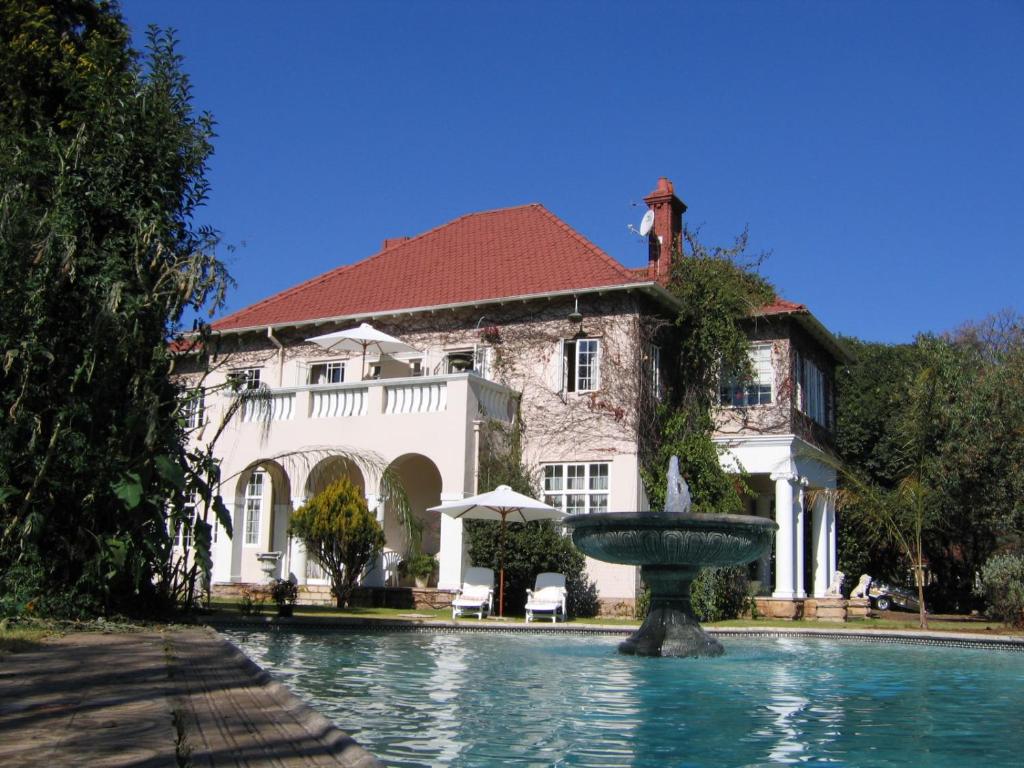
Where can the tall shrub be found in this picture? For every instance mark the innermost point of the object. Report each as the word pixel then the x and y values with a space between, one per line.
pixel 1002 586
pixel 338 530
pixel 102 172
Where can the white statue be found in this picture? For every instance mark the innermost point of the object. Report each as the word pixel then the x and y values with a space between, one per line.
pixel 861 590
pixel 835 589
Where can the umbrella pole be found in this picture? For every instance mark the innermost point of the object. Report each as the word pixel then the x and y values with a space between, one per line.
pixel 501 570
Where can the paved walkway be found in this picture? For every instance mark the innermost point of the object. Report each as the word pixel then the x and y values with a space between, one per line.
pixel 176 698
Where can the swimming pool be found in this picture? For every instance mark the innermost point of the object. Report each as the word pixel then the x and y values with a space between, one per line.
pixel 482 699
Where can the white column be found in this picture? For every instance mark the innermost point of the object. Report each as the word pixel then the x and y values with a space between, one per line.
pixel 297 558
pixel 785 537
pixel 799 589
pixel 823 566
pixel 830 509
pixel 450 557
pixel 764 565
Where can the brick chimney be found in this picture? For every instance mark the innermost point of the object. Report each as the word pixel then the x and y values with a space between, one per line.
pixel 665 238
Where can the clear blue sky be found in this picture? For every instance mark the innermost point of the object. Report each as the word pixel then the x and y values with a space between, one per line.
pixel 876 148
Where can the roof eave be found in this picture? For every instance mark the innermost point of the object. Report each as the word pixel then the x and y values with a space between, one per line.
pixel 816 329
pixel 653 288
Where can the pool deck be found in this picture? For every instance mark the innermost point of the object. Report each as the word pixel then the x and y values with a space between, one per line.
pixel 184 696
pixel 171 698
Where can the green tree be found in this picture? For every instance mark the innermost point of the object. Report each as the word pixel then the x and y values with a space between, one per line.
pixel 102 170
pixel 718 289
pixel 948 414
pixel 338 530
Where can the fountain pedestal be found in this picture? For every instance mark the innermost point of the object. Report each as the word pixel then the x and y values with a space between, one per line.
pixel 670 628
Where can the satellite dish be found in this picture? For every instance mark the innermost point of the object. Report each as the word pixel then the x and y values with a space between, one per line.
pixel 646 223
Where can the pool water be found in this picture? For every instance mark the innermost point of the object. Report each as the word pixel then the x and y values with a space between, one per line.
pixel 481 699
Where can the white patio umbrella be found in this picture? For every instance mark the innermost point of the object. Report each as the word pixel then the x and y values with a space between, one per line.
pixel 500 504
pixel 359 339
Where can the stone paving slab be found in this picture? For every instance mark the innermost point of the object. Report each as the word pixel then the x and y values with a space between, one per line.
pixel 95 699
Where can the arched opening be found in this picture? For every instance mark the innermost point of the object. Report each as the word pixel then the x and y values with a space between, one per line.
pixel 260 518
pixel 332 469
pixel 421 480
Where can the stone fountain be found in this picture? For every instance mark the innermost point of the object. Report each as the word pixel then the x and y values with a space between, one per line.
pixel 671 547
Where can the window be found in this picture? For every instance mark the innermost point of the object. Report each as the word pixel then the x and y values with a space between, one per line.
pixel 193 407
pixel 245 378
pixel 253 507
pixel 581 365
pixel 654 370
pixel 416 368
pixel 812 393
pixel 327 373
pixel 183 536
pixel 756 391
pixel 577 489
pixel 467 360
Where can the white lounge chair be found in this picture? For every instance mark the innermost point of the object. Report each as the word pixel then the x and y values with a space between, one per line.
pixel 476 595
pixel 547 597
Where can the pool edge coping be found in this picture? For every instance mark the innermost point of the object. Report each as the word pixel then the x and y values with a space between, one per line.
pixel 1014 643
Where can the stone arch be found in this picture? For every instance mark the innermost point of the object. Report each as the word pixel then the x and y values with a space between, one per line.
pixel 421 479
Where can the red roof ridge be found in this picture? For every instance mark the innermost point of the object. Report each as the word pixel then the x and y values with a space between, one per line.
pixel 595 249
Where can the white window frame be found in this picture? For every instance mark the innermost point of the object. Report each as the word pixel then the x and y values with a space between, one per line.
pixel 757 391
pixel 255 489
pixel 194 407
pixel 246 378
pixel 333 372
pixel 478 357
pixel 577 487
pixel 577 376
pixel 654 369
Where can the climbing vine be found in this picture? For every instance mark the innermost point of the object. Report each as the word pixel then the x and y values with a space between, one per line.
pixel 719 290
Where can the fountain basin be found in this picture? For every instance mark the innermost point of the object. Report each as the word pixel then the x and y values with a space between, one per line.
pixel 671 548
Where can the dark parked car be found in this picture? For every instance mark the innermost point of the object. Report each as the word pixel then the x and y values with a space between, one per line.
pixel 885 597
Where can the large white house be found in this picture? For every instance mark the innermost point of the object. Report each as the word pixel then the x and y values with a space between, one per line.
pixel 512 315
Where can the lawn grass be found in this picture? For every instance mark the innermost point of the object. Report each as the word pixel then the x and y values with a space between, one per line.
pixel 14 639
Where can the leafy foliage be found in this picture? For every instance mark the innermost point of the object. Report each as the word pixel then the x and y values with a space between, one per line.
pixel 720 593
pixel 338 530
pixel 102 170
pixel 718 289
pixel 1002 586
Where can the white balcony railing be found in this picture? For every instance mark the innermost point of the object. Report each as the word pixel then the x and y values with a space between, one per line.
pixel 461 392
pixel 337 403
pixel 418 397
pixel 279 406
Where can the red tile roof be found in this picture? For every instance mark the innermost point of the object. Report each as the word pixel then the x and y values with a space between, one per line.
pixel 509 252
pixel 781 307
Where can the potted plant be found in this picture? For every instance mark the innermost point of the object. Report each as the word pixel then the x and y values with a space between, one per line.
pixel 420 567
pixel 284 592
